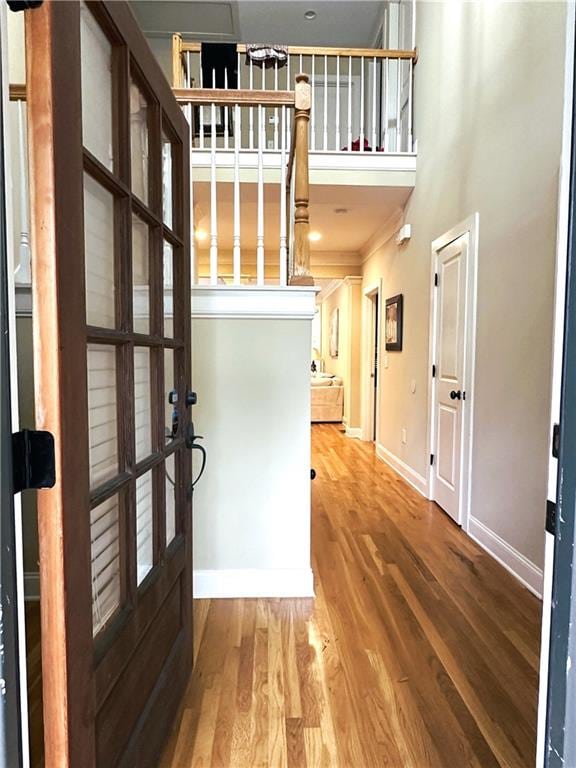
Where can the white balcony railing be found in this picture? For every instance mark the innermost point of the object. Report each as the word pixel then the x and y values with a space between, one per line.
pixel 361 98
pixel 250 217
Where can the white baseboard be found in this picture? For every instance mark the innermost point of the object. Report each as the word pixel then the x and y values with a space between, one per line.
pixel 32 586
pixel 515 562
pixel 354 432
pixel 412 477
pixel 253 582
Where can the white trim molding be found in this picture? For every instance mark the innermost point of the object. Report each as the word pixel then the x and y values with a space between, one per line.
pixel 256 302
pixel 406 472
pixel 254 582
pixel 519 566
pixel 354 432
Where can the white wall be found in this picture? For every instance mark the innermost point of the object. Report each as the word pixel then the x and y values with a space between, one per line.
pixel 252 506
pixel 488 115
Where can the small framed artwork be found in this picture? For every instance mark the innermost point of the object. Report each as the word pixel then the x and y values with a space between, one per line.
pixel 334 330
pixel 394 322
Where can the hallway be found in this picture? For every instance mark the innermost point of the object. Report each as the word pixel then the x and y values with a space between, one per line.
pixel 419 650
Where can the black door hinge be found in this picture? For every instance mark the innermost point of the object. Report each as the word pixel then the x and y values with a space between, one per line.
pixel 431 459
pixel 433 371
pixel 23 5
pixel 551 517
pixel 33 460
pixel 436 278
pixel 555 441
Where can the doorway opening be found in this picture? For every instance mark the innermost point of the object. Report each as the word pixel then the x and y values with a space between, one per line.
pixel 372 306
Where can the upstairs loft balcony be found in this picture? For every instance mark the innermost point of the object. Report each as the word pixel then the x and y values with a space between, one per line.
pixel 361 109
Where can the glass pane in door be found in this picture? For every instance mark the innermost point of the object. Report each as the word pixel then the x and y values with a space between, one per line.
pixel 140 275
pixel 99 254
pixel 96 57
pixel 144 526
pixel 142 403
pixel 139 142
pixel 102 413
pixel 105 549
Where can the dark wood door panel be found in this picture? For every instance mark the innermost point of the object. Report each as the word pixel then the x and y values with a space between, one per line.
pixel 116 583
pixel 128 699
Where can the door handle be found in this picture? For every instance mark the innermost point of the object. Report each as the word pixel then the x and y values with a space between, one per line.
pixel 191 438
pixel 455 395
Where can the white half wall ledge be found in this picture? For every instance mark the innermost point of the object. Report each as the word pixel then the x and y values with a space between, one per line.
pixel 254 583
pixel 515 562
pixel 254 302
pixel 405 471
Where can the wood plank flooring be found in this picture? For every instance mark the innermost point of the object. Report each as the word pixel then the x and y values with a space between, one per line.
pixel 420 650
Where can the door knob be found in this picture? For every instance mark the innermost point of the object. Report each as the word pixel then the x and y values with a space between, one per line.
pixel 455 395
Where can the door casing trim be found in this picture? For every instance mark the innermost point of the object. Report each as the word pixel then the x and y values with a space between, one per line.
pixel 469 226
pixel 368 295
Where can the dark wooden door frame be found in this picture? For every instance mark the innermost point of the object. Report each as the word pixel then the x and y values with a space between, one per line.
pixel 561 707
pixel 78 675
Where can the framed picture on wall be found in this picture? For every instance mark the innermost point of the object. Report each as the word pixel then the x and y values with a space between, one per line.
pixel 394 321
pixel 334 329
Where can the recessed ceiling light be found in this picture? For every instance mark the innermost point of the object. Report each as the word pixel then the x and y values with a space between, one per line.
pixel 310 15
pixel 201 234
pixel 314 237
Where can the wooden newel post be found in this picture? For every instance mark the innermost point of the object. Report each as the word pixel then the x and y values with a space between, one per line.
pixel 301 262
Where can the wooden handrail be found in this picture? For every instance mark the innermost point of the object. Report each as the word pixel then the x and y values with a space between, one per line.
pixel 301 274
pixel 370 53
pixel 241 96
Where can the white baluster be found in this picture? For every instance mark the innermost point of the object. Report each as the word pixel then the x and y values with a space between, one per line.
pixel 260 223
pixel 201 110
pixel 288 88
pixel 410 147
pixel 226 144
pixel 276 108
pixel 361 104
pixel 213 204
pixel 386 107
pixel 325 103
pixel 265 117
pixel 398 105
pixel 349 103
pixel 313 115
pixel 283 202
pixel 23 272
pixel 251 127
pixel 238 115
pixel 193 259
pixel 236 239
pixel 374 104
pixel 337 147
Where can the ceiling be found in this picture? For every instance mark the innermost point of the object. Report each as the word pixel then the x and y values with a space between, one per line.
pixel 367 210
pixel 337 23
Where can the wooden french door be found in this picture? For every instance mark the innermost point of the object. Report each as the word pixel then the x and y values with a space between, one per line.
pixel 111 274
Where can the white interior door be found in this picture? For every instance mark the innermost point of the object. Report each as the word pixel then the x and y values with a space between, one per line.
pixel 450 396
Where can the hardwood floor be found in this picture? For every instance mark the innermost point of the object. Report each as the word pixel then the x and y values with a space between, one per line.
pixel 419 650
